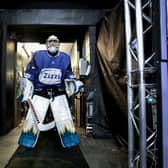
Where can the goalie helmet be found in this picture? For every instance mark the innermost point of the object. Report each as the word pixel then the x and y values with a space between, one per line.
pixel 53 44
pixel 25 90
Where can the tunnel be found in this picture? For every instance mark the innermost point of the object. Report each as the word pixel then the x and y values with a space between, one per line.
pixel 78 30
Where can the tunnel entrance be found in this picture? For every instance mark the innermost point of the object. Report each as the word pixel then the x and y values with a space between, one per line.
pixel 28 39
pixel 70 29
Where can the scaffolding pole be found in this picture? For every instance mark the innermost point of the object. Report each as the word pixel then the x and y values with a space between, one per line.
pixel 140 90
pixel 142 101
pixel 129 85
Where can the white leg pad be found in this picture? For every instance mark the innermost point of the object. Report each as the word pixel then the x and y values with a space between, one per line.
pixel 64 122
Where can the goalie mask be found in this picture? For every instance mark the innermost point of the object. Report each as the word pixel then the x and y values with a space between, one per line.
pixel 25 90
pixel 53 44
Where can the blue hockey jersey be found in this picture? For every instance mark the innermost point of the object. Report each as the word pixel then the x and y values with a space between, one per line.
pixel 49 71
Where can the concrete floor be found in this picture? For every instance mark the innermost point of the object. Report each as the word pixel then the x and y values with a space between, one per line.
pixel 8 145
pixel 98 153
pixel 106 153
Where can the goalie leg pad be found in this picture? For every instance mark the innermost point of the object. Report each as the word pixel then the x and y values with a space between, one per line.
pixel 39 109
pixel 33 122
pixel 64 122
pixel 30 132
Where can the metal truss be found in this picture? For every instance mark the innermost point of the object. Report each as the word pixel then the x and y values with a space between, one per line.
pixel 141 84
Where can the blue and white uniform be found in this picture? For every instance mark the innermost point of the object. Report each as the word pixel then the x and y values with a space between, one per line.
pixel 49 71
pixel 47 74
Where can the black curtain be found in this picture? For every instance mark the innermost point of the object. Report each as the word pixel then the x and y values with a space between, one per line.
pixel 110 103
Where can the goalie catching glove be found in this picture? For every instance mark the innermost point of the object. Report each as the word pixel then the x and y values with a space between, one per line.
pixel 25 90
pixel 73 86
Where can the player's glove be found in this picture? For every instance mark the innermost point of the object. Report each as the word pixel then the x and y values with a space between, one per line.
pixel 25 90
pixel 73 86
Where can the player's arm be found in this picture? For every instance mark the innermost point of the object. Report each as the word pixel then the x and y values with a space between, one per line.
pixel 31 70
pixel 25 86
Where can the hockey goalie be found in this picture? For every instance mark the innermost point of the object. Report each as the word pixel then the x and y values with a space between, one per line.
pixel 48 83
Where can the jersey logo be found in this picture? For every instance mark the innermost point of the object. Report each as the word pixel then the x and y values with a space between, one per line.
pixel 50 76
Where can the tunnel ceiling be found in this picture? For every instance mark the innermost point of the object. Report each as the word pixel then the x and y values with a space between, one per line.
pixel 39 33
pixel 59 4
